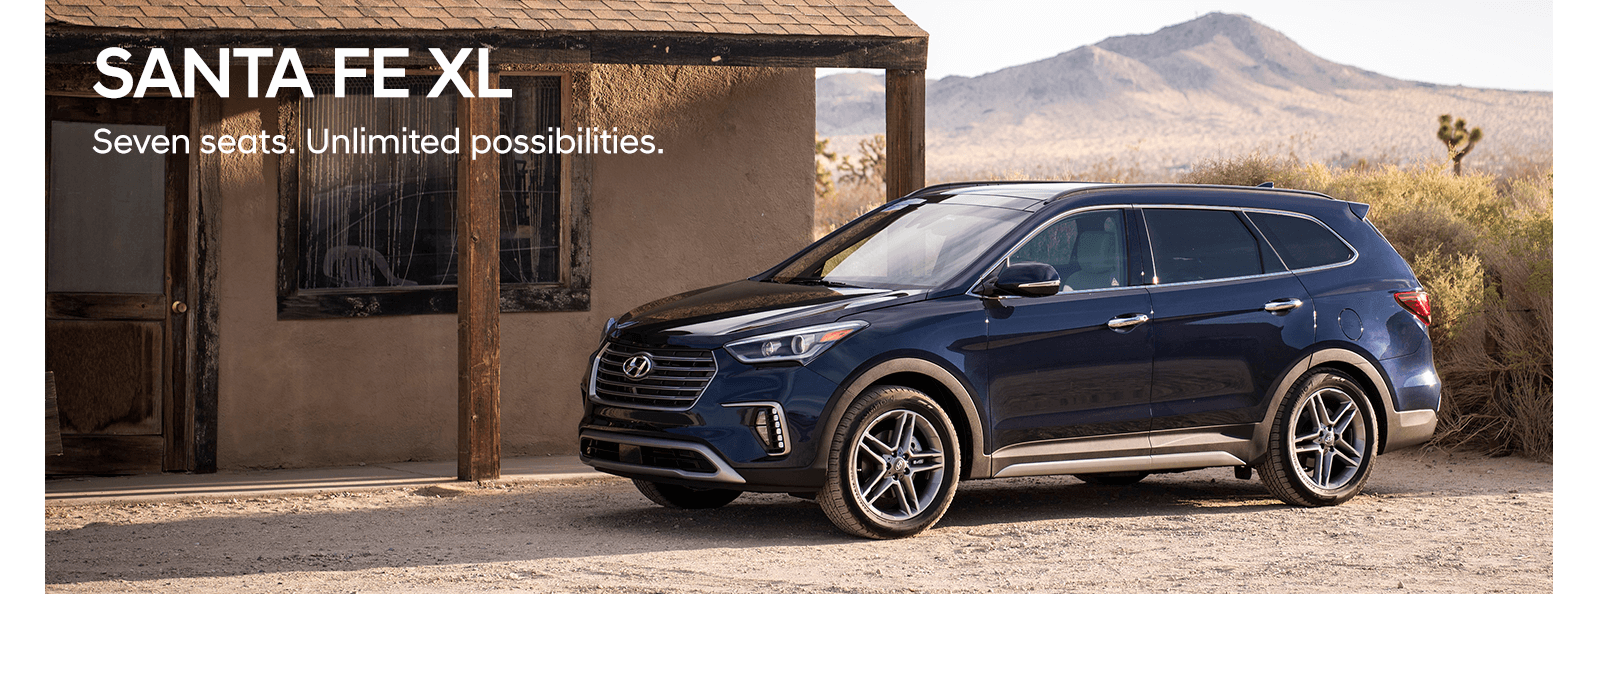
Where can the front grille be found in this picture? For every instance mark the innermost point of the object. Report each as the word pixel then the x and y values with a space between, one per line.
pixel 678 377
pixel 647 455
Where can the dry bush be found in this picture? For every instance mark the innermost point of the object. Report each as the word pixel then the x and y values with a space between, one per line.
pixel 1107 170
pixel 847 201
pixel 1249 170
pixel 856 193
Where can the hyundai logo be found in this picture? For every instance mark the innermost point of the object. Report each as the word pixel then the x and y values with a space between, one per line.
pixel 638 366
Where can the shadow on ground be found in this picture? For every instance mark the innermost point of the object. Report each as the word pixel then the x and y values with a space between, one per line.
pixel 591 519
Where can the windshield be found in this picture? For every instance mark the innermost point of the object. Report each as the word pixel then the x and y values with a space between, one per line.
pixel 915 243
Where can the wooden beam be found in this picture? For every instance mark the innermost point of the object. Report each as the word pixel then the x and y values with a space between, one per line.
pixel 477 309
pixel 907 131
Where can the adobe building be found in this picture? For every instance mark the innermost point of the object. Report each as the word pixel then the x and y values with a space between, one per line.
pixel 251 307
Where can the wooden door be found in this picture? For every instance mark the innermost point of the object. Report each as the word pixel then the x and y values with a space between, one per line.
pixel 116 285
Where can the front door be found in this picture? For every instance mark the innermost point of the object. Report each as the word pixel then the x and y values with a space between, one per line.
pixel 1069 373
pixel 116 284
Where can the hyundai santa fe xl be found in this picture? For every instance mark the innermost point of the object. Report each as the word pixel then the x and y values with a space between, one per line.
pixel 976 331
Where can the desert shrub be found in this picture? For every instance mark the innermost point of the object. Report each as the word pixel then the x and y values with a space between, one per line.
pixel 847 201
pixel 1249 170
pixel 1105 170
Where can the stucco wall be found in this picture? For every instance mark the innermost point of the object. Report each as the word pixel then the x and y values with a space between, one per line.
pixel 730 196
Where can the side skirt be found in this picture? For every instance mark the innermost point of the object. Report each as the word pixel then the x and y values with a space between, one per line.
pixel 1145 463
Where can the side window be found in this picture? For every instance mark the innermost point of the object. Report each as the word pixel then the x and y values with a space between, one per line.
pixel 1197 245
pixel 1088 250
pixel 1301 242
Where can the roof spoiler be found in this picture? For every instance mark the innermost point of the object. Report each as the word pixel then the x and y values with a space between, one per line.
pixel 1359 209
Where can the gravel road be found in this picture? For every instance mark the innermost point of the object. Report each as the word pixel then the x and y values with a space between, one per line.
pixel 1428 522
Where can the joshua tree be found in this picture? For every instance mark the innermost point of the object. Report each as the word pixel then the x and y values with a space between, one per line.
pixel 873 160
pixel 1453 133
pixel 824 185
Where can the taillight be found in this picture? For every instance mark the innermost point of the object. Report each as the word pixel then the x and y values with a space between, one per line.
pixel 1417 303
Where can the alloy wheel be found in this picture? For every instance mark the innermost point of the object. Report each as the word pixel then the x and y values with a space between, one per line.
pixel 898 465
pixel 1329 439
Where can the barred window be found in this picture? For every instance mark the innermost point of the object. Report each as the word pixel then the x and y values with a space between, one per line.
pixel 375 214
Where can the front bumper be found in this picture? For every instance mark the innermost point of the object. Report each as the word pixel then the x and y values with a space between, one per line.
pixel 710 444
pixel 644 456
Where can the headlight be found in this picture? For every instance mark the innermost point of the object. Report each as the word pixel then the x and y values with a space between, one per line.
pixel 796 345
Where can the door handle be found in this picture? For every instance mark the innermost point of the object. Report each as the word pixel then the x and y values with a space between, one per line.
pixel 1129 320
pixel 1283 305
pixel 178 307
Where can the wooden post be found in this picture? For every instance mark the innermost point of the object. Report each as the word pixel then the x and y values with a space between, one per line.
pixel 477 295
pixel 52 420
pixel 907 131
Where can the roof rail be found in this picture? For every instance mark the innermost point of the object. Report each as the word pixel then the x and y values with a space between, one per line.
pixel 1257 189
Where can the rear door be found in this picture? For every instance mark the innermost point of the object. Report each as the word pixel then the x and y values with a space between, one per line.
pixel 1228 319
pixel 116 285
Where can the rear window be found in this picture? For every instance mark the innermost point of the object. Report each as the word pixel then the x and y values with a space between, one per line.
pixel 1301 243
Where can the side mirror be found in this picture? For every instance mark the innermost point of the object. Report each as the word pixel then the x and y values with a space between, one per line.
pixel 1026 279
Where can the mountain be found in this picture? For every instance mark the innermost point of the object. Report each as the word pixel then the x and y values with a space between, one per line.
pixel 1219 85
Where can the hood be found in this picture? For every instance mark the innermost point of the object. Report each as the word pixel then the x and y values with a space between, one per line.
pixel 745 308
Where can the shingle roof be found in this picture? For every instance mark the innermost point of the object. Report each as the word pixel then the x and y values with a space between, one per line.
pixel 876 18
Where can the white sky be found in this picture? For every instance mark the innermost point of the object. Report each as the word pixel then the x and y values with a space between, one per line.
pixel 1482 44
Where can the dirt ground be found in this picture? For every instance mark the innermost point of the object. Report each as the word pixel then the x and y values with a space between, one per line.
pixel 1428 522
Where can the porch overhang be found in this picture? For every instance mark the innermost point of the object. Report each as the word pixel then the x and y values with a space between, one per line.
pixel 72 44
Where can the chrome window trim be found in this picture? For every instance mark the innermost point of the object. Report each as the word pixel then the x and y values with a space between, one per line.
pixel 593 384
pixel 1228 279
pixel 782 422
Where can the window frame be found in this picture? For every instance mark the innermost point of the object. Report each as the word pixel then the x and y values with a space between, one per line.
pixel 570 294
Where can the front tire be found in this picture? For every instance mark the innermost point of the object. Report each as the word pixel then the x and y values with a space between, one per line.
pixel 1322 442
pixel 685 498
pixel 893 465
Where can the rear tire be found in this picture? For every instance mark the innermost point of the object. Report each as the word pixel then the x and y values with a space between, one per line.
pixel 685 497
pixel 1112 478
pixel 893 465
pixel 1322 442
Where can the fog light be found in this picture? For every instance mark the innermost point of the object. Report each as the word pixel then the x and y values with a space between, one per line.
pixel 766 421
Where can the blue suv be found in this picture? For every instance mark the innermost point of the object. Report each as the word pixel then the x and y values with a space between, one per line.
pixel 983 330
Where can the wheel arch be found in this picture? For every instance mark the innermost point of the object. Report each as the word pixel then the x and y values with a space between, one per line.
pixel 951 391
pixel 1351 363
